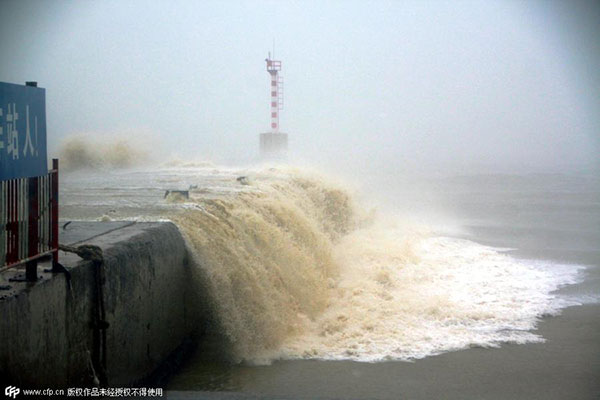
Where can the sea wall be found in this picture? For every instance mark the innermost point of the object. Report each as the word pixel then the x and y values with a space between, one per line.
pixel 46 328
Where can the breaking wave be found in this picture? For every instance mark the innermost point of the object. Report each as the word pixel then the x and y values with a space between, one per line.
pixel 79 152
pixel 295 269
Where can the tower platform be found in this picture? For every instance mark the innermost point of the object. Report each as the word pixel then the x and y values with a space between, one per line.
pixel 273 145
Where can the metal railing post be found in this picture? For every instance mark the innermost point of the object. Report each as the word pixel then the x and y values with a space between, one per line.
pixel 32 231
pixel 54 226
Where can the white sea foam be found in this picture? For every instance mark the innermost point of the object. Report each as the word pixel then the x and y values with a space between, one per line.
pixel 410 298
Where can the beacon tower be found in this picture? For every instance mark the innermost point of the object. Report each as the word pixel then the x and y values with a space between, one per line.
pixel 273 144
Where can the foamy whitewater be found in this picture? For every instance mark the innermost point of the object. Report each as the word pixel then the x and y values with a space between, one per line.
pixel 295 268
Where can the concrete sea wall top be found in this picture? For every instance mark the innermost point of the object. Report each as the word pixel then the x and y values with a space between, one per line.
pixel 47 337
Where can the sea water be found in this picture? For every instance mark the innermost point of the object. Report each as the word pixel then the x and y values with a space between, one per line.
pixel 297 266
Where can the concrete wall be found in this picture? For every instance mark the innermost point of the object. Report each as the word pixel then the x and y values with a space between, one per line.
pixel 46 336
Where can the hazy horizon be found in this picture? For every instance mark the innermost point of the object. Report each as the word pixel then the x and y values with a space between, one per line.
pixel 469 87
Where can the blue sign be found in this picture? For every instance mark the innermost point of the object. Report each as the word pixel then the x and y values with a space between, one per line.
pixel 22 131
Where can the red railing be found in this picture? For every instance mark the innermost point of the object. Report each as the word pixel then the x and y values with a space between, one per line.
pixel 29 221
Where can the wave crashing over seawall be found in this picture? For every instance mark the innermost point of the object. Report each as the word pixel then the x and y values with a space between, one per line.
pixel 79 152
pixel 294 269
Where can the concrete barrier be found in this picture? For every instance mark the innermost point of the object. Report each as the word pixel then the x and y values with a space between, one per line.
pixel 46 335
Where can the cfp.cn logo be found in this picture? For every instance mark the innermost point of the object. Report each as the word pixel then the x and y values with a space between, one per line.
pixel 12 391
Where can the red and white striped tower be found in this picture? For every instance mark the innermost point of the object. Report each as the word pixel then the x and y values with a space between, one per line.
pixel 273 67
pixel 273 145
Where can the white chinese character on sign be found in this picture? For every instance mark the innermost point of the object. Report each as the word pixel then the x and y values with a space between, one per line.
pixel 28 142
pixel 13 134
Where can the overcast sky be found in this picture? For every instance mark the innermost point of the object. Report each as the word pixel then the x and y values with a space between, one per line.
pixel 408 84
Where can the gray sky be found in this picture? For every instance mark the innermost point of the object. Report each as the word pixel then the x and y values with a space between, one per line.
pixel 467 85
